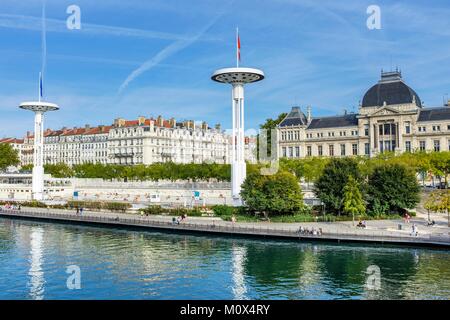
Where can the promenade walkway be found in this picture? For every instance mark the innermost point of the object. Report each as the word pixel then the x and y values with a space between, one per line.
pixel 385 231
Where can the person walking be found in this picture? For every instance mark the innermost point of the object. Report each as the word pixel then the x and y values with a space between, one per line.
pixel 413 229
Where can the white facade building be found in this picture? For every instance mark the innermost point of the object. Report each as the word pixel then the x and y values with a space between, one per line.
pixel 146 141
pixel 132 142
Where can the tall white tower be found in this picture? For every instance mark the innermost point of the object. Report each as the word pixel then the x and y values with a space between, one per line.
pixel 237 77
pixel 39 108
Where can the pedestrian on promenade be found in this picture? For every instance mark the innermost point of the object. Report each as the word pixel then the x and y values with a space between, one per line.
pixel 78 210
pixel 413 230
pixel 81 211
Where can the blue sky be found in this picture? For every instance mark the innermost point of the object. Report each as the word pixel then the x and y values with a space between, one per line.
pixel 314 52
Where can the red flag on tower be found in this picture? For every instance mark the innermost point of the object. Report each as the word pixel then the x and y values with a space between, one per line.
pixel 238 47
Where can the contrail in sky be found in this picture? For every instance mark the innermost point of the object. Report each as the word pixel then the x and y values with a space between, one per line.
pixel 44 40
pixel 12 21
pixel 168 51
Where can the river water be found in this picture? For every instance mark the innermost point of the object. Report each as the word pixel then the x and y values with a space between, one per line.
pixel 50 261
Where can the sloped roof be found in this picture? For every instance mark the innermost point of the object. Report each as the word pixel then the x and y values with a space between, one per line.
pixel 434 114
pixel 295 118
pixel 348 120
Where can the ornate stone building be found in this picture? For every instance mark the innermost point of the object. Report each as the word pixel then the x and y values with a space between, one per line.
pixel 391 117
pixel 132 142
pixel 146 141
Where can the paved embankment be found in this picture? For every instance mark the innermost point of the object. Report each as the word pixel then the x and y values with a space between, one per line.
pixel 330 231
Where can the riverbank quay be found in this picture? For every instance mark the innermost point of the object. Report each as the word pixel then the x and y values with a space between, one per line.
pixel 380 232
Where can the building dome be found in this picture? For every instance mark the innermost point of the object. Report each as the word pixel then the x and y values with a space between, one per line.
pixel 390 90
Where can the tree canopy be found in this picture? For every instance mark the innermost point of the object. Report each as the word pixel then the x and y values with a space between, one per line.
pixel 8 156
pixel 353 199
pixel 394 185
pixel 330 185
pixel 276 194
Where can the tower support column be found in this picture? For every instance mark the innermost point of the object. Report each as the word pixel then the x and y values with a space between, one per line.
pixel 238 166
pixel 38 163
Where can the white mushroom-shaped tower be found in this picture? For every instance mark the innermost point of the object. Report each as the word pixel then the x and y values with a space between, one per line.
pixel 237 77
pixel 39 108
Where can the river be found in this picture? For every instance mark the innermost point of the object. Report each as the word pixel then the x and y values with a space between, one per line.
pixel 41 260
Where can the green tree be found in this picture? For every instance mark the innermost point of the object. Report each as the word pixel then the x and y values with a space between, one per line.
pixel 394 185
pixel 440 164
pixel 353 199
pixel 276 194
pixel 8 156
pixel 443 203
pixel 269 125
pixel 330 185
pixel 59 170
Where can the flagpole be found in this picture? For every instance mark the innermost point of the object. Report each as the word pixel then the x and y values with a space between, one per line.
pixel 39 86
pixel 237 47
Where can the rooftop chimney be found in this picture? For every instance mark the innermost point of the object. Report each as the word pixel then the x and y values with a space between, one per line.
pixel 119 122
pixel 141 120
pixel 308 114
pixel 173 122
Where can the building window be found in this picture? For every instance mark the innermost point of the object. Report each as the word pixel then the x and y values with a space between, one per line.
pixel 342 149
pixel 408 128
pixel 367 149
pixel 291 152
pixel 331 150
pixel 320 151
pixel 422 146
pixel 284 152
pixel 437 145
pixel 366 130
pixel 436 128
pixel 408 146
pixel 309 151
pixel 297 152
pixel 355 149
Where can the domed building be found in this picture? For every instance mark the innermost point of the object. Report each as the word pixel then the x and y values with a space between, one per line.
pixel 391 118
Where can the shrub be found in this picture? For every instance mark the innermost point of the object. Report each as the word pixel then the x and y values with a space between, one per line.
pixel 98 205
pixel 276 194
pixel 223 210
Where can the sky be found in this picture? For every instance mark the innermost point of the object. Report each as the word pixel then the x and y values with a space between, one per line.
pixel 155 57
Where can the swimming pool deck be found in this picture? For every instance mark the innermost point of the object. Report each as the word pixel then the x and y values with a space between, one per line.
pixel 377 232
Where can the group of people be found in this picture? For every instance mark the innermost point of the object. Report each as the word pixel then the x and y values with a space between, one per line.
pixel 414 230
pixel 80 211
pixel 179 219
pixel 10 206
pixel 313 231
pixel 362 224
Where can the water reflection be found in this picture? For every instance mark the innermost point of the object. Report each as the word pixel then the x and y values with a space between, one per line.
pixel 238 258
pixel 36 272
pixel 121 264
